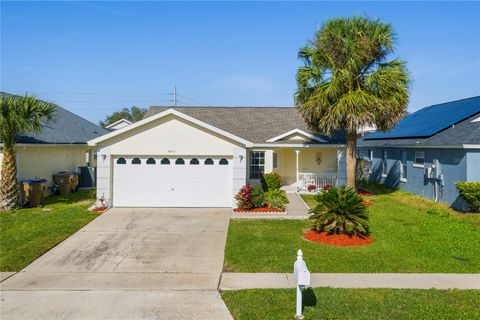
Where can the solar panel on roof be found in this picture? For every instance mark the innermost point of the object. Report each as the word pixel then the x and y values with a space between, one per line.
pixel 430 120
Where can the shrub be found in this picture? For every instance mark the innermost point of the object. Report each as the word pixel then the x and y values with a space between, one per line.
pixel 257 196
pixel 276 199
pixel 249 197
pixel 326 186
pixel 311 187
pixel 363 168
pixel 271 181
pixel 244 197
pixel 340 211
pixel 470 193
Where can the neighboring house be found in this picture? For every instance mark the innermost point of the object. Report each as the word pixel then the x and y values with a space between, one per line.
pixel 202 156
pixel 62 146
pixel 429 150
pixel 122 123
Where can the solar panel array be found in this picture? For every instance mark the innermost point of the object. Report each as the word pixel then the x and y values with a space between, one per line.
pixel 430 120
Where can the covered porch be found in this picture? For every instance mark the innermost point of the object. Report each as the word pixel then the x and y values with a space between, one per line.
pixel 303 168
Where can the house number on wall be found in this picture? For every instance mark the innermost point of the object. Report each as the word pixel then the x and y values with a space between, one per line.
pixel 171 151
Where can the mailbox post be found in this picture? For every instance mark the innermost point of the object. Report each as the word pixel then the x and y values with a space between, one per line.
pixel 302 277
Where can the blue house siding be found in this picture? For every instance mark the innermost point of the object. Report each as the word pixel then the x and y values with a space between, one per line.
pixel 453 165
pixel 473 165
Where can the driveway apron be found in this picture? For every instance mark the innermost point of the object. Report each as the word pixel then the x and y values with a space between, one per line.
pixel 128 264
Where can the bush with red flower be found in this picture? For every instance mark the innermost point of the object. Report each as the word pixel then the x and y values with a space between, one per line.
pixel 311 187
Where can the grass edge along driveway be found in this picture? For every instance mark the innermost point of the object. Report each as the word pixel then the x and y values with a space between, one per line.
pixel 26 234
pixel 337 303
pixel 412 235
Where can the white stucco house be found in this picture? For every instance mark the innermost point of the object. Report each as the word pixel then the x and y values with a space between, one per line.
pixel 202 156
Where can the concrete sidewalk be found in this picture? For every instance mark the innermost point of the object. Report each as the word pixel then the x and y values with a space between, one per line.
pixel 238 281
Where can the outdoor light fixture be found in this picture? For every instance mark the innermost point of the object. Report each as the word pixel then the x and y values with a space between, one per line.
pixel 104 156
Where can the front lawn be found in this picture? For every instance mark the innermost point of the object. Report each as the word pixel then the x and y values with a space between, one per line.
pixel 411 234
pixel 335 303
pixel 26 234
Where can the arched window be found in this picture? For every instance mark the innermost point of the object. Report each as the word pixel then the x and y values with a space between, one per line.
pixel 151 161
pixel 223 161
pixel 208 161
pixel 179 161
pixel 165 161
pixel 194 161
pixel 136 161
pixel 121 161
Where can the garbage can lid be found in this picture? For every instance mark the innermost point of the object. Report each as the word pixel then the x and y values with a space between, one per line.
pixel 31 181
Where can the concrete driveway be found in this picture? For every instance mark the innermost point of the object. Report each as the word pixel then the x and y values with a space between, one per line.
pixel 128 264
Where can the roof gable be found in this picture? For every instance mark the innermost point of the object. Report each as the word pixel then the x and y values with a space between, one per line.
pixel 255 124
pixel 164 114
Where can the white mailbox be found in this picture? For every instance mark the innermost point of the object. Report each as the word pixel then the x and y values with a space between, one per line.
pixel 300 270
pixel 302 277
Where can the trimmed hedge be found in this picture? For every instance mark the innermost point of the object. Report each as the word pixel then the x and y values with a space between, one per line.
pixel 470 193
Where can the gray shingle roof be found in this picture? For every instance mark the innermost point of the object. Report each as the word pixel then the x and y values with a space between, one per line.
pixel 255 124
pixel 68 128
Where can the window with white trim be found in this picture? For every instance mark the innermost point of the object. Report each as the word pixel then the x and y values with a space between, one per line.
pixel 384 163
pixel 403 166
pixel 419 160
pixel 257 164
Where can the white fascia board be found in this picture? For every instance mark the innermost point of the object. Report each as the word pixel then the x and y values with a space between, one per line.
pixel 157 116
pixel 458 146
pixel 295 145
pixel 299 131
pixel 117 122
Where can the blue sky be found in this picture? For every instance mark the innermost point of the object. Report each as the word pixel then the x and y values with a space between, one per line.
pixel 97 57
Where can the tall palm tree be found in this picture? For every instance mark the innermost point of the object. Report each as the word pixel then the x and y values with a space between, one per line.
pixel 18 115
pixel 348 82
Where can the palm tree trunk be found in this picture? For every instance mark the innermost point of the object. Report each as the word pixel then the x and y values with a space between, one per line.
pixel 351 158
pixel 9 193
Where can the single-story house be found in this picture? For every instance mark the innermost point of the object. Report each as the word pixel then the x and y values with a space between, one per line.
pixel 62 146
pixel 429 151
pixel 202 156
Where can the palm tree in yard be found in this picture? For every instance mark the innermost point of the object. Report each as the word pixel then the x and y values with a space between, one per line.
pixel 18 115
pixel 348 82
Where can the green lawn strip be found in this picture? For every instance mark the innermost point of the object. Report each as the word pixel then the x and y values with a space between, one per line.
pixel 411 235
pixel 336 303
pixel 28 233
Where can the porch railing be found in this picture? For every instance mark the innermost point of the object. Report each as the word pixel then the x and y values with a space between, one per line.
pixel 319 180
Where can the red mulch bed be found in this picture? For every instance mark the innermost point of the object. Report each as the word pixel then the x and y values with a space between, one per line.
pixel 339 240
pixel 100 209
pixel 367 203
pixel 258 210
pixel 364 193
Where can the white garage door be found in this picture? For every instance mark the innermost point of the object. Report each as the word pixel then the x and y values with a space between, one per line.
pixel 172 182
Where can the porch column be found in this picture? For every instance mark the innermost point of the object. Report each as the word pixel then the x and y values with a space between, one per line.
pixel 297 152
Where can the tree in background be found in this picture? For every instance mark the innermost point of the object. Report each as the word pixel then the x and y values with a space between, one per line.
pixel 347 81
pixel 133 114
pixel 18 115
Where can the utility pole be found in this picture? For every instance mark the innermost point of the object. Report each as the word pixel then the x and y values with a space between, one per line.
pixel 175 96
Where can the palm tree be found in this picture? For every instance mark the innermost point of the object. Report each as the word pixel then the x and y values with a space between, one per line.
pixel 347 81
pixel 18 115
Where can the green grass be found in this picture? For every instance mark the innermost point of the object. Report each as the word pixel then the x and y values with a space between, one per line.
pixel 411 234
pixel 26 234
pixel 334 303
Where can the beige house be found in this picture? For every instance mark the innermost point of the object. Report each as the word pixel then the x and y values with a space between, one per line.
pixel 202 156
pixel 62 146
